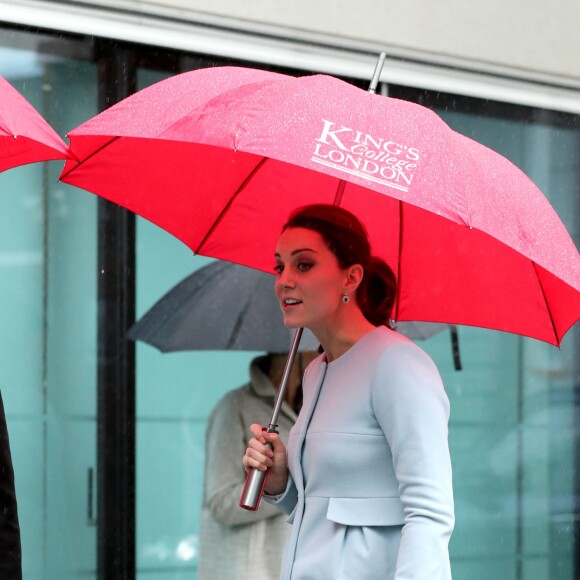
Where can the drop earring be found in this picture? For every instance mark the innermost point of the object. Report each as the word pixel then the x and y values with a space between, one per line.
pixel 345 298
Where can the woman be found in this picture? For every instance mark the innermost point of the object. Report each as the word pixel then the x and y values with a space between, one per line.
pixel 253 540
pixel 366 479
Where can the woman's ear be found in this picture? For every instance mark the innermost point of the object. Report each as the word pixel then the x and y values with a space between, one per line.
pixel 354 276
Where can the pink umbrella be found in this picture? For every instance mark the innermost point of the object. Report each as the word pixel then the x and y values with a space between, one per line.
pixel 219 157
pixel 25 137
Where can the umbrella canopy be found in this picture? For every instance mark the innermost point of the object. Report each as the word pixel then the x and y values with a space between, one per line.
pixel 219 157
pixel 25 137
pixel 223 306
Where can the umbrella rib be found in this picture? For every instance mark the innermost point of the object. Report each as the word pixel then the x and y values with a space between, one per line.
pixel 239 321
pixel 87 158
pixel 546 302
pixel 400 253
pixel 222 214
pixel 339 192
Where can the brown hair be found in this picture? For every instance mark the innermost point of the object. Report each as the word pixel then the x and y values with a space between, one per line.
pixel 347 238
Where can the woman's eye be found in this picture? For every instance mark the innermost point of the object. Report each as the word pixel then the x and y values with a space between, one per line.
pixel 278 268
pixel 304 266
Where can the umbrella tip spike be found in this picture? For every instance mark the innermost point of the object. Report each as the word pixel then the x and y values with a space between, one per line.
pixel 377 72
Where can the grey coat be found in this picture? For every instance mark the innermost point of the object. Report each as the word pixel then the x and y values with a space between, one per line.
pixel 370 494
pixel 236 544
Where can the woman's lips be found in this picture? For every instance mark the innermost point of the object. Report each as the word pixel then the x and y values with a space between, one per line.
pixel 290 303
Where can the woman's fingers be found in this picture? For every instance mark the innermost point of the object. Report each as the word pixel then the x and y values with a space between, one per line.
pixel 258 454
pixel 264 437
pixel 258 432
pixel 258 448
pixel 261 446
pixel 257 459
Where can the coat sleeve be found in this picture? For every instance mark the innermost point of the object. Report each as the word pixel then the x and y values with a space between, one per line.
pixel 413 411
pixel 287 500
pixel 226 441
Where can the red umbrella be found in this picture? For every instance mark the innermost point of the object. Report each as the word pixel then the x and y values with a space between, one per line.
pixel 218 157
pixel 25 137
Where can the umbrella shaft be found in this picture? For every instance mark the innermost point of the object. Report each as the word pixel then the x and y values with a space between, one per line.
pixel 284 382
pixel 255 480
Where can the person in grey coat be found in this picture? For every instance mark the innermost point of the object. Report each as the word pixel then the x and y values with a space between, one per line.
pixel 236 544
pixel 366 478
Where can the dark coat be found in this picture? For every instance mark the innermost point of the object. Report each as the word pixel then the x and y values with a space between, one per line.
pixel 10 553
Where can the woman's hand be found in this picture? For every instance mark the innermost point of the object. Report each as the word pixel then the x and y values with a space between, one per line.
pixel 261 457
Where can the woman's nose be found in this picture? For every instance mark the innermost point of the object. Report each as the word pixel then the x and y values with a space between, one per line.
pixel 284 280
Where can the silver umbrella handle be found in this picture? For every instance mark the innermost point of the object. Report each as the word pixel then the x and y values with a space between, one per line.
pixel 256 479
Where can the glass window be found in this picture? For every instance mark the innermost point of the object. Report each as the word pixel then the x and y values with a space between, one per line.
pixel 48 308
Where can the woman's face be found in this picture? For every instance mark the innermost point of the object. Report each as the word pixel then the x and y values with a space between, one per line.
pixel 310 282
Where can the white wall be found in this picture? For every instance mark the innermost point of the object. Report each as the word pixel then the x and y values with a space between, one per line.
pixel 530 36
pixel 516 51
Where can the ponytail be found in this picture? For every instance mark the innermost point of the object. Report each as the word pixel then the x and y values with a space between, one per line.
pixel 377 291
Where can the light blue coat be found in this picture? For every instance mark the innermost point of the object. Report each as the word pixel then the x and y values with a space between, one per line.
pixel 370 493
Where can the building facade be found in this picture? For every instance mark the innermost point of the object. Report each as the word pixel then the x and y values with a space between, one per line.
pixel 107 436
